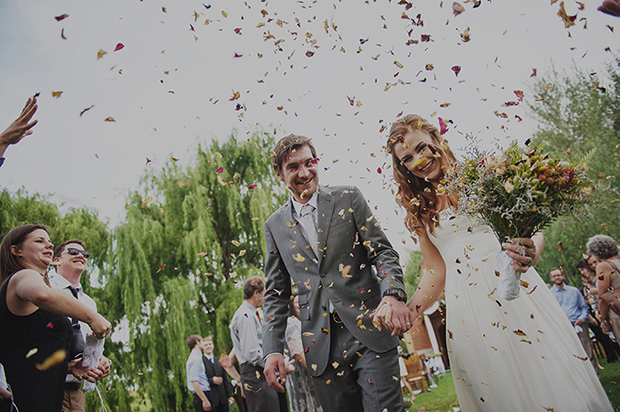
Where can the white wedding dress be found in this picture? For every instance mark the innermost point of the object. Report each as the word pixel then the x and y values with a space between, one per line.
pixel 520 355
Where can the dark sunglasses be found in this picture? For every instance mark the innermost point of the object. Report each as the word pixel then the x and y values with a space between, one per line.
pixel 73 252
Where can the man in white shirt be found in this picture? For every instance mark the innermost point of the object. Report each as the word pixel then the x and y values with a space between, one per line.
pixel 246 334
pixel 197 381
pixel 70 259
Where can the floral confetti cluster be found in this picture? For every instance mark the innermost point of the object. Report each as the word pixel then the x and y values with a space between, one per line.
pixel 518 192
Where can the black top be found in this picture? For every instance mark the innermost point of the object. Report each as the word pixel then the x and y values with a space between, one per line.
pixel 42 332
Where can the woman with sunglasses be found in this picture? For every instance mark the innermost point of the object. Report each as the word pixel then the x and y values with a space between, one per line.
pixel 34 329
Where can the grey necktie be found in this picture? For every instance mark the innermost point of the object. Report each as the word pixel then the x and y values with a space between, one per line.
pixel 308 222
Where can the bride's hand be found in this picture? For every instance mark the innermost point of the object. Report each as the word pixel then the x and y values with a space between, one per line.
pixel 382 316
pixel 522 251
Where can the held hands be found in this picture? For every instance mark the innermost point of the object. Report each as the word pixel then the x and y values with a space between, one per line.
pixel 275 372
pixel 523 253
pixel 393 315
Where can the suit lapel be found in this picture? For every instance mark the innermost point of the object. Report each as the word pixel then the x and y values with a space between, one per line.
pixel 294 231
pixel 326 210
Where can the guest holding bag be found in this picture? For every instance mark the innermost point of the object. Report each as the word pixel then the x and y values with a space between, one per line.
pixel 605 249
pixel 34 329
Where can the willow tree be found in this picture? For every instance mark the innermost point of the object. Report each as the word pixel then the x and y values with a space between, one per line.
pixel 190 237
pixel 578 113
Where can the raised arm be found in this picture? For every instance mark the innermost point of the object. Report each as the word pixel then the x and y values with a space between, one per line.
pixel 20 126
pixel 29 289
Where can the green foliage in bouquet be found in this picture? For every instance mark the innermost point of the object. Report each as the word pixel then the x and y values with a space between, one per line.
pixel 518 192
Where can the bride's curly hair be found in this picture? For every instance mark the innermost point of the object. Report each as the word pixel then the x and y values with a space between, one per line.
pixel 417 195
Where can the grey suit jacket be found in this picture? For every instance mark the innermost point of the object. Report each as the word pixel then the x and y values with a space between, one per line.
pixel 356 264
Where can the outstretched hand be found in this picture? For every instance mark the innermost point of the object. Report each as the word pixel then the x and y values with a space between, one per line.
pixel 393 315
pixel 20 126
pixel 611 7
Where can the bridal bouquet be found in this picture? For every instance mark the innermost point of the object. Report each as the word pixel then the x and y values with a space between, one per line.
pixel 517 193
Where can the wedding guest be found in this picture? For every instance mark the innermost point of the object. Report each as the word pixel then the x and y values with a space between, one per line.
pixel 197 381
pixel 34 330
pixel 71 258
pixel 605 249
pixel 299 385
pixel 220 395
pixel 589 291
pixel 327 240
pixel 246 334
pixel 506 355
pixel 228 363
pixel 20 127
pixel 404 383
pixel 577 310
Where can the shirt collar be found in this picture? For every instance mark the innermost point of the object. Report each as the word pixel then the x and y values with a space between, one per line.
pixel 63 283
pixel 314 201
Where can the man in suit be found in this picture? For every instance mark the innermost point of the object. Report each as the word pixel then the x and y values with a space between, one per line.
pixel 328 243
pixel 220 394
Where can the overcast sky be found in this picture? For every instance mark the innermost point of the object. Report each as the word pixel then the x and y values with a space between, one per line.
pixel 334 71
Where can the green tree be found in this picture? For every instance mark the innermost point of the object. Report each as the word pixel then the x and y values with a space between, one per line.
pixel 189 239
pixel 577 114
pixel 412 272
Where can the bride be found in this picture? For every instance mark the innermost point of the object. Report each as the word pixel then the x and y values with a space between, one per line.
pixel 518 355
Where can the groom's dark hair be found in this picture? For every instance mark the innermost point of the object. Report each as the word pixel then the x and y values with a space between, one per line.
pixel 285 146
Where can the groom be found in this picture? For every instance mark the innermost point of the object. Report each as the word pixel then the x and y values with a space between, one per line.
pixel 328 243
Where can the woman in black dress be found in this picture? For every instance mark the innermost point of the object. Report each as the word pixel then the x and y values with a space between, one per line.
pixel 34 329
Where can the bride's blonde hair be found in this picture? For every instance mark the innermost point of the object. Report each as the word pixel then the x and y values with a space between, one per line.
pixel 417 195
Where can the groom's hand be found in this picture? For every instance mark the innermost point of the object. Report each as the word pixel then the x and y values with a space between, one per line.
pixel 401 315
pixel 275 363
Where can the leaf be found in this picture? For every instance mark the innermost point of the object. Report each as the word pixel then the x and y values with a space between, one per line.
pixel 465 35
pixel 119 46
pixel 457 8
pixel 87 109
pixel 61 17
pixel 101 53
pixel 56 94
pixel 109 119
pixel 146 202
pixel 568 20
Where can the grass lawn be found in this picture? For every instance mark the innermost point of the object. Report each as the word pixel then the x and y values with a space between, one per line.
pixel 610 378
pixel 440 399
pixel 443 398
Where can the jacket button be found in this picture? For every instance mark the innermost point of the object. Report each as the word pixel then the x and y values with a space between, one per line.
pixel 322 275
